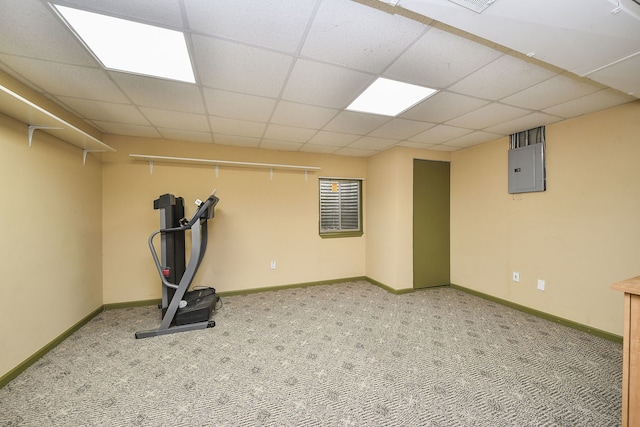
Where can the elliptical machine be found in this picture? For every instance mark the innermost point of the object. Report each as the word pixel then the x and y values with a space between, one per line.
pixel 182 310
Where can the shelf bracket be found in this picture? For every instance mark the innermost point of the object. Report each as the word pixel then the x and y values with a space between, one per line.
pixel 84 154
pixel 150 167
pixel 33 128
pixel 617 9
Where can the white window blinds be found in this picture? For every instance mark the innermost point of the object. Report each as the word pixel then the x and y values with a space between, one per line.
pixel 340 205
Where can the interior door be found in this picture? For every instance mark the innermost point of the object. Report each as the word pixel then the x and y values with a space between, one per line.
pixel 431 253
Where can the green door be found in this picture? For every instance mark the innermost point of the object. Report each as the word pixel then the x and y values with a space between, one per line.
pixel 430 223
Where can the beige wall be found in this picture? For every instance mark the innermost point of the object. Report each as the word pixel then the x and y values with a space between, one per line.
pixel 580 235
pixel 51 240
pixel 390 214
pixel 258 219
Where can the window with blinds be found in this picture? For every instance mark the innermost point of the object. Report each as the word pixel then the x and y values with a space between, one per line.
pixel 340 207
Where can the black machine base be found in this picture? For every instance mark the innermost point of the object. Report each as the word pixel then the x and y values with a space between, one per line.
pixel 200 305
pixel 195 315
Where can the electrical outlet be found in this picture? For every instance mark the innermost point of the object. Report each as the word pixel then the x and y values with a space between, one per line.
pixel 273 265
pixel 541 285
pixel 516 276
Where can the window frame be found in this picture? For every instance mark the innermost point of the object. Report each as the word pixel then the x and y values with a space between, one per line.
pixel 340 232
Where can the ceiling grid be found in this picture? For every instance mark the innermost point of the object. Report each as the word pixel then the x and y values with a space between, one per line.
pixel 279 75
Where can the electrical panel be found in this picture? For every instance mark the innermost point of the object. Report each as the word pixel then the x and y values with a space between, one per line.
pixel 527 169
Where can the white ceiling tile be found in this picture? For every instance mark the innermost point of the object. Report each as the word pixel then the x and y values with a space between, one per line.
pixel 443 147
pixel 324 85
pixel 231 66
pixel 280 145
pixel 276 24
pixel 374 38
pixel 599 37
pixel 237 141
pixel 176 119
pixel 370 143
pixel 439 59
pixel 333 139
pixel 420 145
pixel 164 12
pixel 160 93
pixel 29 28
pixel 520 124
pixel 556 90
pixel 576 35
pixel 400 129
pixel 279 73
pixel 67 80
pixel 301 115
pixel 238 105
pixel 128 129
pixel 622 75
pixel 474 138
pixel 235 127
pixel 353 122
pixel 443 106
pixel 503 77
pixel 439 134
pixel 589 104
pixel 488 115
pixel 355 152
pixel 186 135
pixel 288 133
pixel 311 148
pixel 105 111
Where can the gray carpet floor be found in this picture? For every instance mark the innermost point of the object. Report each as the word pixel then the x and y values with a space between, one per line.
pixel 348 354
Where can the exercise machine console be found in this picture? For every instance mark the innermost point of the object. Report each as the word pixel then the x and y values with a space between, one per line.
pixel 182 309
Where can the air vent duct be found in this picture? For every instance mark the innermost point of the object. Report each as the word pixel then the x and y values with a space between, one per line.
pixel 475 5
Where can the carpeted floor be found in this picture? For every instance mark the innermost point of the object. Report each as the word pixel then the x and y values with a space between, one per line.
pixel 350 354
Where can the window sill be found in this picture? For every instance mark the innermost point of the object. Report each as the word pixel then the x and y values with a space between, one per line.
pixel 335 234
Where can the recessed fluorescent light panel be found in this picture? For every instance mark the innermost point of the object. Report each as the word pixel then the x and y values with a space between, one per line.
pixel 129 46
pixel 389 97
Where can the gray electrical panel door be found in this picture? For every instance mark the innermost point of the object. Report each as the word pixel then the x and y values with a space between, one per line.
pixel 527 169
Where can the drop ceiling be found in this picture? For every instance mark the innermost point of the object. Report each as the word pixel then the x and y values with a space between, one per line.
pixel 279 74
